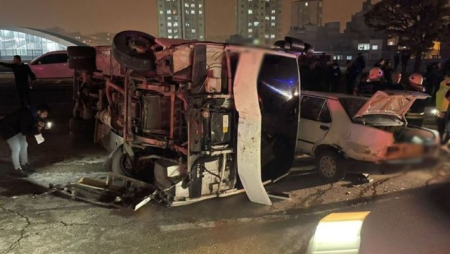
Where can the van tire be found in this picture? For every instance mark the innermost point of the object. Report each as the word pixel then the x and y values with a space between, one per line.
pixel 128 57
pixel 329 165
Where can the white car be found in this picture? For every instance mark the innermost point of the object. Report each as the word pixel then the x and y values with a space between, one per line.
pixel 334 127
pixel 52 65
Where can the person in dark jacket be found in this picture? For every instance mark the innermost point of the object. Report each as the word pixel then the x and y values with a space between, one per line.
pixel 22 74
pixel 380 64
pixel 367 88
pixel 334 77
pixel 396 82
pixel 351 74
pixel 404 58
pixel 360 63
pixel 388 70
pixel 416 113
pixel 396 60
pixel 14 128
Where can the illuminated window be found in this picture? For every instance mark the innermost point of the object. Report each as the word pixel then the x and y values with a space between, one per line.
pixel 267 18
pixel 273 17
pixel 272 36
pixel 161 12
pixel 169 31
pixel 250 30
pixel 200 12
pixel 363 46
pixel 168 11
pixel 169 24
pixel 175 24
pixel 256 23
pixel 170 36
pixel 273 11
pixel 374 47
pixel 306 4
pixel 192 5
pixel 272 24
pixel 250 11
pixel 266 36
pixel 193 31
pixel 349 57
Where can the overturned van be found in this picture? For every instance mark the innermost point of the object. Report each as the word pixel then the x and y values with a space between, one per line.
pixel 196 120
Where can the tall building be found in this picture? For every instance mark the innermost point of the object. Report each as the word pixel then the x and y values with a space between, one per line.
pixel 306 12
pixel 181 19
pixel 260 20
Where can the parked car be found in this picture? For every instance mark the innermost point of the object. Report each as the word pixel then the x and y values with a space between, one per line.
pixel 336 127
pixel 51 65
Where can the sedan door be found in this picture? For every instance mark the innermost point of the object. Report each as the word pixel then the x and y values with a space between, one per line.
pixel 315 122
pixel 51 66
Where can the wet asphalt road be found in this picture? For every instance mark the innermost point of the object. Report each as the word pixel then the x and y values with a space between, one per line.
pixel 410 209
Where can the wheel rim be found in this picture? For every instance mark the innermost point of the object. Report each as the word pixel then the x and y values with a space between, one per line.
pixel 328 166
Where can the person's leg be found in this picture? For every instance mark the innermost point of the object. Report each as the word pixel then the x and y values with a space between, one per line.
pixel 26 95
pixel 21 95
pixel 14 145
pixel 440 122
pixel 23 149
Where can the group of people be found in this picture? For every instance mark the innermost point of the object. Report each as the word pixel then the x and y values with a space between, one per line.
pixel 324 75
pixel 28 119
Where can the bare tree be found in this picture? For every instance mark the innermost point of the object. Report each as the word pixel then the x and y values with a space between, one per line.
pixel 416 23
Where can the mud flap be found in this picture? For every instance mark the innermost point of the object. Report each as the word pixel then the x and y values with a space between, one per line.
pixel 249 129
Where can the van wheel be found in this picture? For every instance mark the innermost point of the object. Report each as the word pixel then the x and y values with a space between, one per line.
pixel 119 163
pixel 329 166
pixel 132 49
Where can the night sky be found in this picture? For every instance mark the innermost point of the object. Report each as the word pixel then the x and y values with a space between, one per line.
pixel 92 16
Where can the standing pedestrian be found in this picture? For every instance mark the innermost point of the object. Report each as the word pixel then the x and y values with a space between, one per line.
pixel 396 82
pixel 22 74
pixel 405 59
pixel 416 113
pixel 442 104
pixel 351 74
pixel 396 60
pixel 334 77
pixel 380 63
pixel 14 128
pixel 388 71
pixel 372 85
pixel 360 63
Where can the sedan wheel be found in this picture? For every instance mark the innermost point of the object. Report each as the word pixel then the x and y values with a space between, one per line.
pixel 329 166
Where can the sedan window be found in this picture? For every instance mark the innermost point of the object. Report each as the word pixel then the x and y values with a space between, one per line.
pixel 311 108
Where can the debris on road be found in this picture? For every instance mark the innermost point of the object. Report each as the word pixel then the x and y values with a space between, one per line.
pixel 117 191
